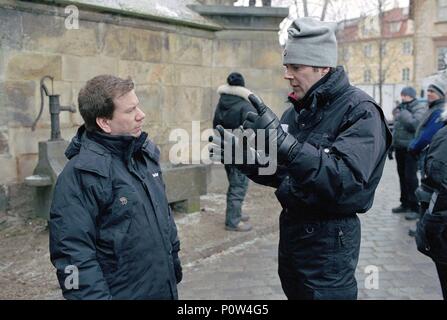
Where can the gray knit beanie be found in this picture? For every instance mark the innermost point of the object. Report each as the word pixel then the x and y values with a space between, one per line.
pixel 312 43
pixel 438 85
pixel 409 92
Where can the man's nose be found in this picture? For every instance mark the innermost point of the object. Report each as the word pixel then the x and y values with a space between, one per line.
pixel 287 75
pixel 140 115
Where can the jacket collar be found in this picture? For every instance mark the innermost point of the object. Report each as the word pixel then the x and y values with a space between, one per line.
pixel 436 104
pixel 326 89
pixel 95 150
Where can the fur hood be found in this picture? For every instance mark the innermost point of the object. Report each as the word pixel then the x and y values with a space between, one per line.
pixel 234 90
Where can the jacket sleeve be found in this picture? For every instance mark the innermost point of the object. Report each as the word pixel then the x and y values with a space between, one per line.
pixel 72 240
pixel 274 180
pixel 411 120
pixel 175 242
pixel 433 125
pixel 436 162
pixel 337 173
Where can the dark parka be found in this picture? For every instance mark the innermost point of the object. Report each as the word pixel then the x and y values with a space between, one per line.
pixel 436 167
pixel 333 174
pixel 232 107
pixel 343 139
pixel 406 123
pixel 111 220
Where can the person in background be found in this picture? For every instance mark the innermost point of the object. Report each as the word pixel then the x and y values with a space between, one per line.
pixel 231 110
pixel 427 128
pixel 409 114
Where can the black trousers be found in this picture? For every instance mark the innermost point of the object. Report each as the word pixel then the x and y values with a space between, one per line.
pixel 442 274
pixel 317 259
pixel 407 166
pixel 237 188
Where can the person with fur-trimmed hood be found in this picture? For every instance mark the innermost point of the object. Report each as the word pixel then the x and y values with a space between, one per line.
pixel 230 113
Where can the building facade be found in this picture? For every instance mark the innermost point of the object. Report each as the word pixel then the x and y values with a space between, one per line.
pixel 379 54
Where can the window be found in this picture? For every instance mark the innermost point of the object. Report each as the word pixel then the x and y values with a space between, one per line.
pixel 365 30
pixel 367 76
pixel 442 58
pixel 406 74
pixel 367 50
pixel 407 48
pixel 395 27
pixel 442 10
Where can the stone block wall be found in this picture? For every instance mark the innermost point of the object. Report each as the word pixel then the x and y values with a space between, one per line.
pixel 177 70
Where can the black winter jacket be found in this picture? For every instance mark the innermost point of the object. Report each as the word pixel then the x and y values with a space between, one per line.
pixel 343 139
pixel 436 169
pixel 232 107
pixel 111 220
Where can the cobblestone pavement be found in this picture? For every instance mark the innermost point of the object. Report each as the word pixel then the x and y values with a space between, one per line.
pixel 249 270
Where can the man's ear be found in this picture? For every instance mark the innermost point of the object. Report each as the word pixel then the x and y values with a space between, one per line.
pixel 104 124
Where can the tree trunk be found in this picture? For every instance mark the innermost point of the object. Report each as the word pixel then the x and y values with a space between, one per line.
pixel 306 12
pixel 323 12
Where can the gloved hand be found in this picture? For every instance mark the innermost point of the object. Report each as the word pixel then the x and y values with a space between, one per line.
pixel 423 193
pixel 177 267
pixel 229 148
pixel 265 119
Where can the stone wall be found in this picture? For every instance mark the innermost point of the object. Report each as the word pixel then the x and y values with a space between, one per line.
pixel 177 69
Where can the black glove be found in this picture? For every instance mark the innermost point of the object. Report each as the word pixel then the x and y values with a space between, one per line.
pixel 177 267
pixel 229 148
pixel 266 120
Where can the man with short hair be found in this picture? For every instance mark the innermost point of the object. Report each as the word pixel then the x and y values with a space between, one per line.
pixel 331 148
pixel 110 220
pixel 410 113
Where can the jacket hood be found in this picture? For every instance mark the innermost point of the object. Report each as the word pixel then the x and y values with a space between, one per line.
pixel 234 91
pixel 75 145
pixel 230 95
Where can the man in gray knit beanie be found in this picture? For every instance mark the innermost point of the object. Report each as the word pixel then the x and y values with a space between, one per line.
pixel 330 146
